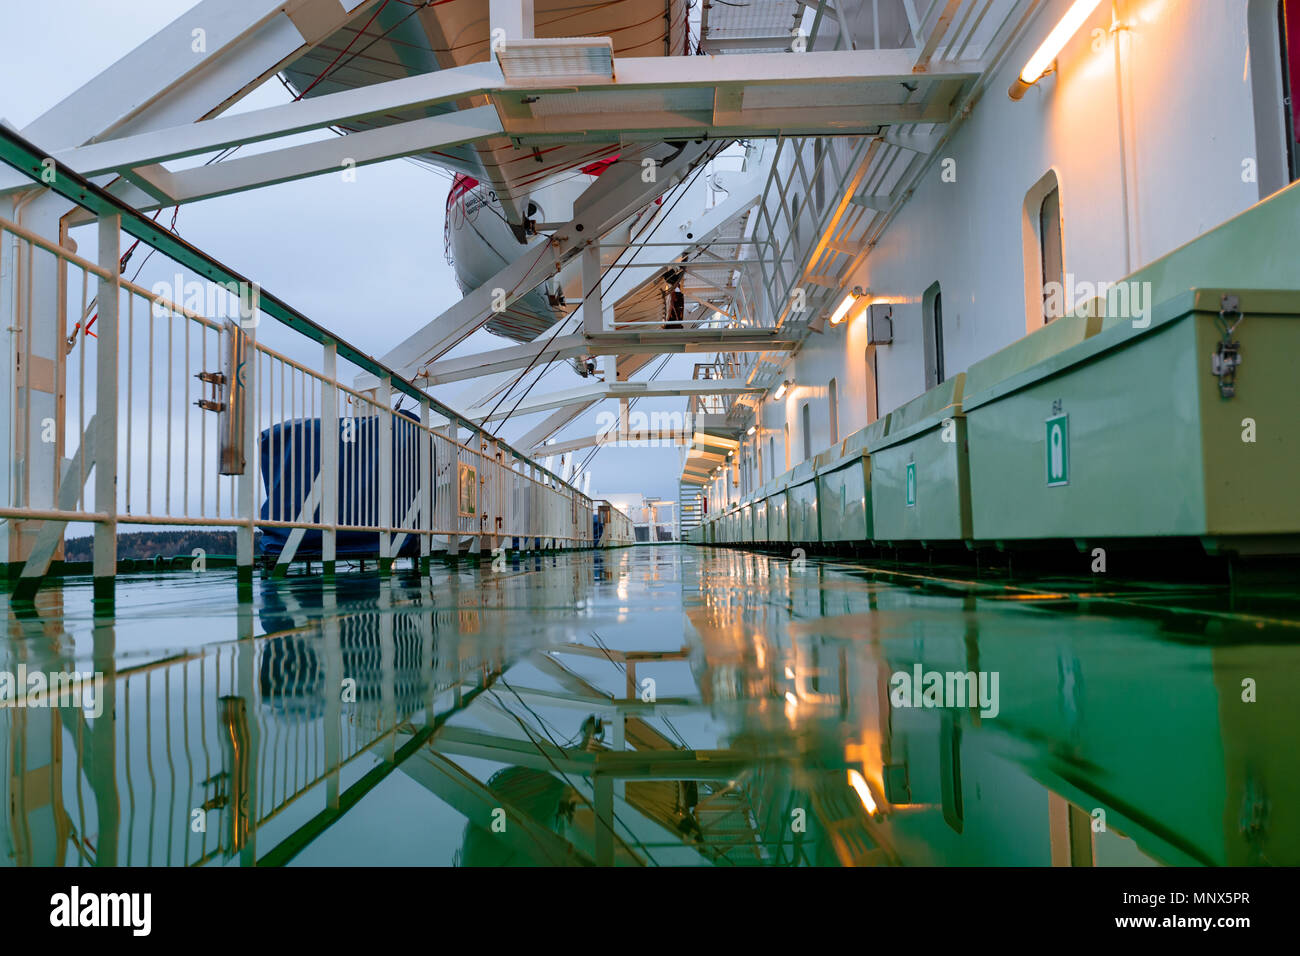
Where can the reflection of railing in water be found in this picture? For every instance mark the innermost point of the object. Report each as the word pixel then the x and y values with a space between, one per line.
pixel 208 749
pixel 196 753
pixel 234 751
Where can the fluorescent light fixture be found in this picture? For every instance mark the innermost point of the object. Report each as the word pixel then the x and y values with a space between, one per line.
pixel 780 390
pixel 752 429
pixel 842 309
pixel 1043 57
pixel 543 62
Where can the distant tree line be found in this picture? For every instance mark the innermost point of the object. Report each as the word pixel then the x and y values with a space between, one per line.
pixel 150 544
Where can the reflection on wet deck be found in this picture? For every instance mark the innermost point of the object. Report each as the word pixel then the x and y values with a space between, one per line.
pixel 661 705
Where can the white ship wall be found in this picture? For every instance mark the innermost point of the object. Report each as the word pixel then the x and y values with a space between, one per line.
pixel 1189 126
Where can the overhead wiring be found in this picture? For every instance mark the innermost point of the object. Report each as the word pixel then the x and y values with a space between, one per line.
pixel 577 311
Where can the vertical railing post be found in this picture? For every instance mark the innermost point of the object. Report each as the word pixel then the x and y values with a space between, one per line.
pixel 245 486
pixel 385 399
pixel 476 444
pixel 426 460
pixel 329 461
pixel 449 507
pixel 105 546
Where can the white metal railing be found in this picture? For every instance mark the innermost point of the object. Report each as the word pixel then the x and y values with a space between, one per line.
pixel 114 365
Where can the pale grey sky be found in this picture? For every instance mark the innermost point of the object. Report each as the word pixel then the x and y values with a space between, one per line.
pixel 364 258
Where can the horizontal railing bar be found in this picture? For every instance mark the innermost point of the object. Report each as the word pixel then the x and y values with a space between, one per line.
pixel 54 514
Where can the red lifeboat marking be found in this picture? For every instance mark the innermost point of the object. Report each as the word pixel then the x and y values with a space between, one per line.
pixel 599 166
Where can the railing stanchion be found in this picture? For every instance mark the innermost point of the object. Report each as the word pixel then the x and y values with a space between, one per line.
pixel 106 412
pixel 329 461
pixel 426 466
pixel 385 521
pixel 245 485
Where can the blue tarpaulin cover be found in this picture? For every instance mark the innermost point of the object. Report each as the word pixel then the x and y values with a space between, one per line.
pixel 290 453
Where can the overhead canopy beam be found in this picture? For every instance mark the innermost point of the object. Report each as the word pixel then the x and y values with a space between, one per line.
pixel 329 155
pixel 593 393
pixel 607 343
pixel 167 67
pixel 320 112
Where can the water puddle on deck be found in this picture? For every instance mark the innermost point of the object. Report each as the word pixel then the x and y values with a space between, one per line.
pixel 665 705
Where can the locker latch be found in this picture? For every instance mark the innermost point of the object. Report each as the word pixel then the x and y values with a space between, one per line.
pixel 1227 354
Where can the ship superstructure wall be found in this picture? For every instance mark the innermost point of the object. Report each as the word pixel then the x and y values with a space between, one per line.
pixel 1134 146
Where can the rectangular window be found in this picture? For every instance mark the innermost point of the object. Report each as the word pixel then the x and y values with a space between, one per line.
pixel 932 317
pixel 807 432
pixel 938 339
pixel 1049 240
pixel 833 401
pixel 1288 27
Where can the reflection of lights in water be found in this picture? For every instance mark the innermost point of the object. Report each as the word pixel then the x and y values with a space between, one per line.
pixel 791 708
pixel 789 673
pixel 859 785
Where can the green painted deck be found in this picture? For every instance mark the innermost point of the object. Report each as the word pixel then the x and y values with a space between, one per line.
pixel 654 705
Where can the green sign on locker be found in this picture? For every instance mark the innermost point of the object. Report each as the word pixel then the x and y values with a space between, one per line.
pixel 1058 450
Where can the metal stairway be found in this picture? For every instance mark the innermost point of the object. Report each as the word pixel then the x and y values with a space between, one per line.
pixel 690 509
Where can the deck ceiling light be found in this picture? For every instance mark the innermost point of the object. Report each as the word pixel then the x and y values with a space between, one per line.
pixel 781 389
pixel 842 310
pixel 1046 54
pixel 556 61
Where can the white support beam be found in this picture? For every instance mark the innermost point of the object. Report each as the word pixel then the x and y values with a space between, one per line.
pixel 537 352
pixel 588 394
pixel 533 438
pixel 329 155
pixel 652 437
pixel 513 17
pixel 937 32
pixel 593 313
pixel 161 65
pixel 320 112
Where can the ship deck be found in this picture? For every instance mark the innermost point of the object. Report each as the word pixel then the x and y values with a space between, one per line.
pixel 553 711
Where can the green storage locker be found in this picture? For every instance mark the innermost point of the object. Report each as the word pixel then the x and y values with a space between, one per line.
pixel 1127 434
pixel 778 512
pixel 844 486
pixel 747 521
pixel 760 516
pixel 920 488
pixel 801 497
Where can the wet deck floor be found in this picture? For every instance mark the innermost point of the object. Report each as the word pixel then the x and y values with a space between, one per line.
pixel 666 705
